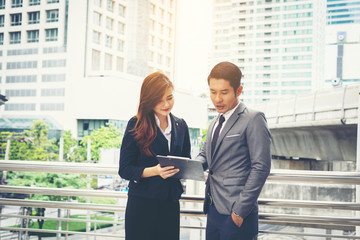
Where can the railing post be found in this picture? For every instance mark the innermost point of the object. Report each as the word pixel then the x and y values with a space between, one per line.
pixel 358 161
pixel 61 149
pixel 7 153
pixel 95 218
pixel 58 235
pixel 61 154
pixel 67 221
pixel 88 224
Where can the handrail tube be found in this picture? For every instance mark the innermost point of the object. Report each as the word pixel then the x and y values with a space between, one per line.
pixel 309 204
pixel 310 219
pixel 185 198
pixel 112 169
pixel 62 232
pixel 64 205
pixel 187 227
pixel 59 219
pixel 62 191
pixel 309 234
pixel 189 212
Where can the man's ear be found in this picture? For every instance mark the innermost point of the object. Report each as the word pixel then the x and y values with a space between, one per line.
pixel 238 91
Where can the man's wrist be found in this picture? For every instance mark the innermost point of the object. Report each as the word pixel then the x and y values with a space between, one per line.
pixel 236 214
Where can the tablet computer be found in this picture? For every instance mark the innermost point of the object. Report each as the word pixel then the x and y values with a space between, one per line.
pixel 189 168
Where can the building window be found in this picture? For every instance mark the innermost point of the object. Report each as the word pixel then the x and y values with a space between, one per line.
pixel 53 78
pixel 52 15
pixel 54 63
pixel 168 61
pixel 28 51
pixel 169 32
pixel 108 61
pixel 95 63
pixel 34 2
pixel 160 59
pixel 20 107
pixel 53 92
pixel 52 107
pixel 108 41
pixel 2 4
pixel 2 20
pixel 96 37
pixel 152 9
pixel 16 3
pixel 120 64
pixel 97 19
pixel 15 37
pixel 87 126
pixel 1 38
pixel 121 10
pixel 109 23
pixel 34 17
pixel 52 1
pixel 121 28
pixel 21 93
pixel 170 17
pixel 97 3
pixel 15 19
pixel 61 49
pixel 21 79
pixel 120 45
pixel 33 36
pixel 51 35
pixel 110 5
pixel 21 65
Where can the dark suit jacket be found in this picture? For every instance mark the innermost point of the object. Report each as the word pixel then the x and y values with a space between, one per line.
pixel 133 162
pixel 240 163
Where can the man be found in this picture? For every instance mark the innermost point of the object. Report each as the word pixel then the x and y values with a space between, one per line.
pixel 237 154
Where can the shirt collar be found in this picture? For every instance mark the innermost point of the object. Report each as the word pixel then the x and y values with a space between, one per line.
pixel 168 129
pixel 228 114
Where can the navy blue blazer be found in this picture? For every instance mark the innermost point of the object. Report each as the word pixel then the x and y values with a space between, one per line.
pixel 133 161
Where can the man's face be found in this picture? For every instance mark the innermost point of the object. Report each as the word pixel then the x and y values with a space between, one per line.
pixel 222 94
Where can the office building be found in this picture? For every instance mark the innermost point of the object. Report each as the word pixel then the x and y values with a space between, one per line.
pixel 79 63
pixel 278 45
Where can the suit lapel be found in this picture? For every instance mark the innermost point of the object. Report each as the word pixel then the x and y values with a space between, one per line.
pixel 174 135
pixel 229 123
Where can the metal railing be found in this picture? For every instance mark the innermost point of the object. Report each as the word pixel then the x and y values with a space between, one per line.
pixel 278 176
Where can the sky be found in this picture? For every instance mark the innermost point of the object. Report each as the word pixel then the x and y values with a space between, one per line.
pixel 192 45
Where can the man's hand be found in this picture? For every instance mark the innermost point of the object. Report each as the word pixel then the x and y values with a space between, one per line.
pixel 238 220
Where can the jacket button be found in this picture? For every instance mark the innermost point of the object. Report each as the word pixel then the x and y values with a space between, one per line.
pixel 135 181
pixel 211 172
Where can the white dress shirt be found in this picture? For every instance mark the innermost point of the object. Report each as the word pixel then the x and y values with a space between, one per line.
pixel 226 115
pixel 167 132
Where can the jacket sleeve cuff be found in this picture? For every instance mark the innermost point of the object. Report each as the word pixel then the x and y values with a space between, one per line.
pixel 137 175
pixel 241 211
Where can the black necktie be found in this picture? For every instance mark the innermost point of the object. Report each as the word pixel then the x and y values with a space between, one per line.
pixel 216 133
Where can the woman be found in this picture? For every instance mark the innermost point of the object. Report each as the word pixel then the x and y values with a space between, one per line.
pixel 153 210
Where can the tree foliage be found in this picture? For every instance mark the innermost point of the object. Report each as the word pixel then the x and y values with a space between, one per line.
pixel 104 137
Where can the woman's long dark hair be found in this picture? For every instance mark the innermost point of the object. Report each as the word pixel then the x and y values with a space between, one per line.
pixel 152 91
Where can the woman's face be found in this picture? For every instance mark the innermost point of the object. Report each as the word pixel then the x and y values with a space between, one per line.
pixel 163 108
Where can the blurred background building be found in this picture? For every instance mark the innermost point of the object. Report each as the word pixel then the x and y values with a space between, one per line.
pixel 80 64
pixel 342 42
pixel 279 44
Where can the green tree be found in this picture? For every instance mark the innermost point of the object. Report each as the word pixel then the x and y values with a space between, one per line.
pixel 71 148
pixel 39 130
pixel 104 137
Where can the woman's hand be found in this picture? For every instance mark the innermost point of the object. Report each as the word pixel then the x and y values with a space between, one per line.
pixel 166 172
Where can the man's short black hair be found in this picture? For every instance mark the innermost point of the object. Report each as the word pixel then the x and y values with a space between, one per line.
pixel 227 71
